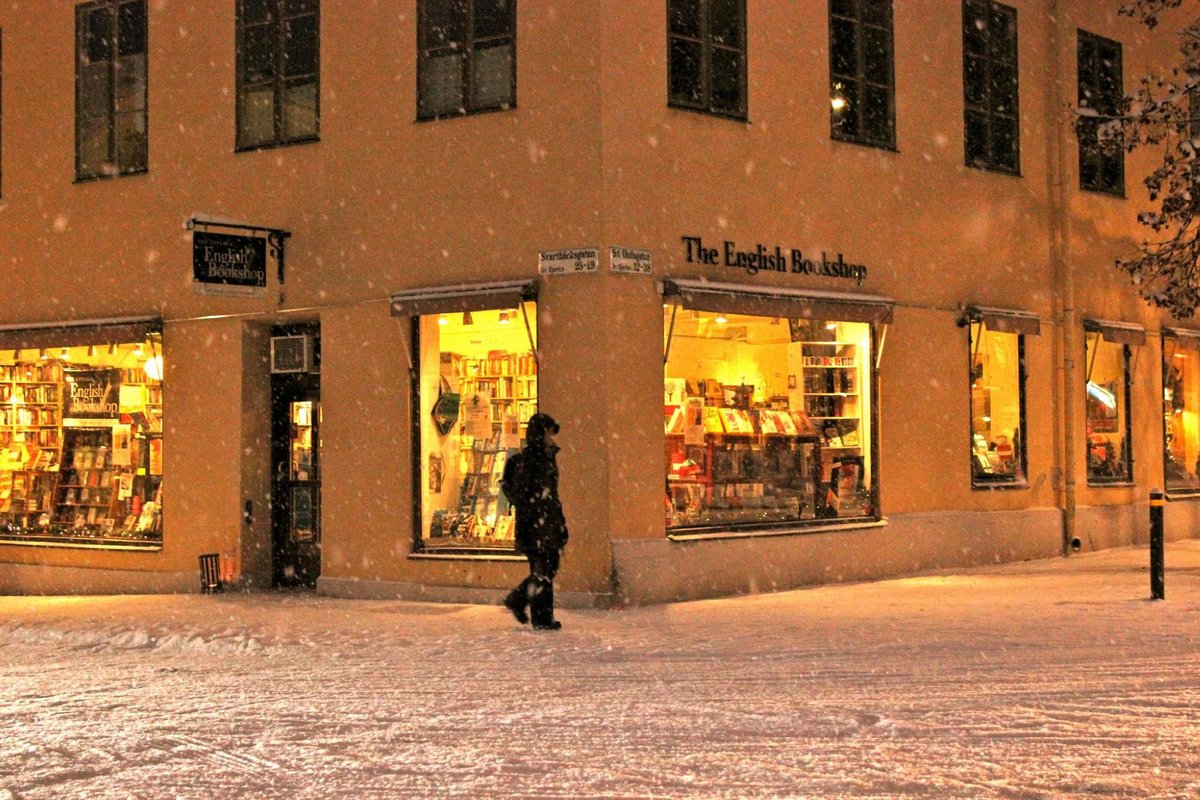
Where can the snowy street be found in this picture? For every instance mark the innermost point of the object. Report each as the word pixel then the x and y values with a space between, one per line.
pixel 1045 679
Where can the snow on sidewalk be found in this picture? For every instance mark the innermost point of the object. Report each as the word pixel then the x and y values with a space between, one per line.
pixel 1046 679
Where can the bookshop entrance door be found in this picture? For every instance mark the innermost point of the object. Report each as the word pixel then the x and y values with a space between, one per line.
pixel 296 480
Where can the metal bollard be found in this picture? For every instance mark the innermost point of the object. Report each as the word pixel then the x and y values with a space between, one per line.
pixel 1156 545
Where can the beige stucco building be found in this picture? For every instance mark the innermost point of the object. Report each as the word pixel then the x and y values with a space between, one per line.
pixel 391 205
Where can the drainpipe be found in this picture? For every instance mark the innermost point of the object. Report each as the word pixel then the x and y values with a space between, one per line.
pixel 1058 131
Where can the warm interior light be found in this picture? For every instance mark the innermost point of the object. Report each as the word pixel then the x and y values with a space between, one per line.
pixel 91 350
pixel 837 102
pixel 1105 397
pixel 42 355
pixel 503 317
pixel 720 320
pixel 467 318
pixel 154 368
pixel 138 350
pixel 65 354
pixel 442 320
pixel 112 349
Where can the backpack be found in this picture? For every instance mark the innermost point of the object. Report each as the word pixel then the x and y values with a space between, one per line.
pixel 515 481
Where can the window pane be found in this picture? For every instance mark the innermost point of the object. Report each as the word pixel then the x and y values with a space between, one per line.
pixel 293 8
pixel 492 77
pixel 441 85
pixel 493 18
pixel 95 90
pixel 976 138
pixel 258 54
pixel 843 8
pixel 1107 411
pixel 131 28
pixel 1003 34
pixel 97 36
pixel 975 25
pixel 299 107
pixel 877 12
pixel 1004 89
pixel 444 22
pixel 131 141
pixel 877 124
pixel 767 420
pixel 300 45
pixel 256 116
pixel 255 11
pixel 725 22
pixel 996 436
pixel 876 55
pixel 726 80
pixel 95 485
pixel 92 135
pixel 845 114
pixel 478 389
pixel 686 80
pixel 1004 143
pixel 131 83
pixel 975 82
pixel 684 17
pixel 843 47
pixel 1181 413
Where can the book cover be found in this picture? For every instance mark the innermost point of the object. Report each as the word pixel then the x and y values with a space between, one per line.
pixel 766 421
pixel 745 423
pixel 712 420
pixel 729 420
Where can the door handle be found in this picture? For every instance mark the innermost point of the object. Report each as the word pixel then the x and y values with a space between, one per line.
pixel 248 512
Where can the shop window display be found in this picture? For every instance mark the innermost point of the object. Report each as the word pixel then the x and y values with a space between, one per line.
pixel 478 389
pixel 1181 423
pixel 997 403
pixel 1109 457
pixel 81 444
pixel 767 420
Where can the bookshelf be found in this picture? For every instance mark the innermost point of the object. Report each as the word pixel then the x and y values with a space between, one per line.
pixel 509 379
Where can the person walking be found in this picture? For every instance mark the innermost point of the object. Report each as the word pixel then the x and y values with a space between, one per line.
pixel 530 482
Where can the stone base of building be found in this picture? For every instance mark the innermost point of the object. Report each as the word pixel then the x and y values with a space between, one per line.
pixel 36 579
pixel 353 588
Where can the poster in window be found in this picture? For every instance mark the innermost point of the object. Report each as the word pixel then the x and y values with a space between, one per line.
pixel 92 394
pixel 302 514
pixel 122 453
pixel 477 415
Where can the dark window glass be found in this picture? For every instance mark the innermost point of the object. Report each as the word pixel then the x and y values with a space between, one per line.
pixel 468 59
pixel 279 66
pixel 110 88
pixel 991 119
pixel 706 56
pixel 862 88
pixel 1101 157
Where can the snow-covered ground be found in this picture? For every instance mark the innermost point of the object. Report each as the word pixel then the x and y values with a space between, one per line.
pixel 1045 679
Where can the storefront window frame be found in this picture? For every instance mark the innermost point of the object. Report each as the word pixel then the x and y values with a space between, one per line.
pixel 98 333
pixel 1021 325
pixel 812 304
pixel 418 303
pixel 1126 336
pixel 1179 336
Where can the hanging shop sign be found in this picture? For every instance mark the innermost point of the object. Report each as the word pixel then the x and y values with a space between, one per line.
pixel 635 262
pixel 773 259
pixel 227 264
pixel 569 262
pixel 92 394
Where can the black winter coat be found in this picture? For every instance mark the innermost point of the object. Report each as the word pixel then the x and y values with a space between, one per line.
pixel 530 483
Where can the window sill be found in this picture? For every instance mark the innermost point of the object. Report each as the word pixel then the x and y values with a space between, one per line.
pixel 474 112
pixel 467 555
pixel 1182 494
pixel 97 178
pixel 1111 484
pixel 998 486
pixel 793 530
pixel 1008 173
pixel 1112 194
pixel 251 148
pixel 890 148
pixel 708 112
pixel 78 544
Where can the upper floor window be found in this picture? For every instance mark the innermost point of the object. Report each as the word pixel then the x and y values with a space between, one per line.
pixel 278 72
pixel 862 87
pixel 1101 163
pixel 706 64
pixel 466 57
pixel 110 88
pixel 991 124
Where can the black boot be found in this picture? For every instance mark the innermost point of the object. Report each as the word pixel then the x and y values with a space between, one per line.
pixel 516 602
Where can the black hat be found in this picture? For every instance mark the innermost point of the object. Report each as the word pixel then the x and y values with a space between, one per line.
pixel 538 425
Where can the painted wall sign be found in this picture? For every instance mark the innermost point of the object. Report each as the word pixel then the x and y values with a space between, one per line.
pixel 232 265
pixel 776 259
pixel 636 262
pixel 569 262
pixel 92 394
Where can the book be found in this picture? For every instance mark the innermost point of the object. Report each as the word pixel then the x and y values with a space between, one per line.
pixel 766 421
pixel 712 420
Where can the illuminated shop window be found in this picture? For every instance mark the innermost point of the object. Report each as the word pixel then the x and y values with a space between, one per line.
pixel 1181 413
pixel 997 406
pixel 478 389
pixel 81 459
pixel 768 420
pixel 1108 439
